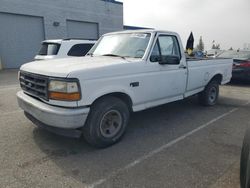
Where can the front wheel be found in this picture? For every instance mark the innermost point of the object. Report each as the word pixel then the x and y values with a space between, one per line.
pixel 209 96
pixel 107 122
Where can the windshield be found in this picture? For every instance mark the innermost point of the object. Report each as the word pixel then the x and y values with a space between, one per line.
pixel 125 45
pixel 236 54
pixel 49 48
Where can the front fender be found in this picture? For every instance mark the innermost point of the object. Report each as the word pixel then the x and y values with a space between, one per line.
pixel 90 96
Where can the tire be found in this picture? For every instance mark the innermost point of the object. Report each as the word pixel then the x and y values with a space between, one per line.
pixel 210 95
pixel 245 162
pixel 107 122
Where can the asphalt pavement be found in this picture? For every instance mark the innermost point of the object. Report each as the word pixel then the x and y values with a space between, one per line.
pixel 181 144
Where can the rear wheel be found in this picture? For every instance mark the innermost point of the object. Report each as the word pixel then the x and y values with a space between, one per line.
pixel 209 96
pixel 107 122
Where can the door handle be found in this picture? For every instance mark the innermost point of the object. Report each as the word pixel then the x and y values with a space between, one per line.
pixel 182 67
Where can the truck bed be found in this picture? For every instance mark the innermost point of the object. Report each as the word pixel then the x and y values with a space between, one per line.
pixel 201 70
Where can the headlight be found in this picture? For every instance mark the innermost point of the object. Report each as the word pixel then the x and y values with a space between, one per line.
pixel 64 90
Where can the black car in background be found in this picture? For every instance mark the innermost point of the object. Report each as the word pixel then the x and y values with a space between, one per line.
pixel 241 65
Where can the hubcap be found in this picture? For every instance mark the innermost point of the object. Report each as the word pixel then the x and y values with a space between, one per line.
pixel 111 123
pixel 212 94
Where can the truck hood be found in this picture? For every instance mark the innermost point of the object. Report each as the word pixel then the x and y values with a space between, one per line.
pixel 63 67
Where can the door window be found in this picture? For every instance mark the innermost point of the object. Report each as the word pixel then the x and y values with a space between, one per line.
pixel 165 46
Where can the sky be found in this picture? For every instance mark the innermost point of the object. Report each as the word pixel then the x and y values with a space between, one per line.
pixel 227 22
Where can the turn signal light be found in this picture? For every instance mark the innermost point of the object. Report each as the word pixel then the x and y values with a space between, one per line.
pixel 65 96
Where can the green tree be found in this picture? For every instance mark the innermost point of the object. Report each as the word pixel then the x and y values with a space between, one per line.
pixel 200 45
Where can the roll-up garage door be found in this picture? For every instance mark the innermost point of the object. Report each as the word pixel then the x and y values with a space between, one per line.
pixel 80 29
pixel 20 38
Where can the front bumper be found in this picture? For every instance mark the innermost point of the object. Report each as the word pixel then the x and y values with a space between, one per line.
pixel 52 116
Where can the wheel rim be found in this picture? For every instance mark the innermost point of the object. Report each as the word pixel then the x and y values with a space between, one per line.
pixel 212 94
pixel 111 123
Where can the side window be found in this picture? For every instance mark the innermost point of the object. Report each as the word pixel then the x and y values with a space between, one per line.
pixel 49 49
pixel 79 49
pixel 165 46
pixel 169 46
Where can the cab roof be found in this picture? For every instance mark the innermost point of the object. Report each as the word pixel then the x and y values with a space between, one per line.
pixel 75 40
pixel 143 31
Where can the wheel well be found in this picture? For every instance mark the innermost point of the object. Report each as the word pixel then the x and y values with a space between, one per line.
pixel 124 97
pixel 217 77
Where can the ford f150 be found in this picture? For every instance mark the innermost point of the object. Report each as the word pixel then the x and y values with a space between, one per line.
pixel 124 72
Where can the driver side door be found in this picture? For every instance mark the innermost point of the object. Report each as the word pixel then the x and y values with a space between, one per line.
pixel 170 79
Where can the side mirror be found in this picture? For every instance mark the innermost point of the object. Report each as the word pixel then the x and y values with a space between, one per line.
pixel 155 58
pixel 169 60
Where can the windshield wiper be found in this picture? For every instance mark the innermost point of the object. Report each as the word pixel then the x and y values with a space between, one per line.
pixel 114 55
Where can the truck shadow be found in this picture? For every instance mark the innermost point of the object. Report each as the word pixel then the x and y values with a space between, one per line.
pixel 147 130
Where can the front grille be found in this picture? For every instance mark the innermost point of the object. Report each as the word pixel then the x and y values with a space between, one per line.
pixel 35 85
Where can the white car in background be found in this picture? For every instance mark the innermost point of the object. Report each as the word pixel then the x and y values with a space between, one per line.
pixel 214 53
pixel 63 48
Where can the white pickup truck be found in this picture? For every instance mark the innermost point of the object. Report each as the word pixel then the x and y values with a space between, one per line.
pixel 124 72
